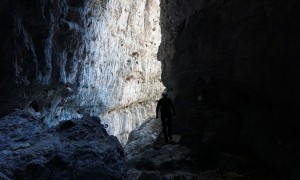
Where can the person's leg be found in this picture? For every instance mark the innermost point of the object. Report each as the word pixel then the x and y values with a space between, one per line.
pixel 169 123
pixel 164 126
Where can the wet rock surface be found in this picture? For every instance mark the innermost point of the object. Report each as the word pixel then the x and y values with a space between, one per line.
pixel 77 149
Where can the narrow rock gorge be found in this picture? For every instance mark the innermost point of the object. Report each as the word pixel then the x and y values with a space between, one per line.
pixel 79 81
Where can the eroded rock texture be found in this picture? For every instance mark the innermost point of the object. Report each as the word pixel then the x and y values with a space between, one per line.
pixel 77 149
pixel 239 56
pixel 75 57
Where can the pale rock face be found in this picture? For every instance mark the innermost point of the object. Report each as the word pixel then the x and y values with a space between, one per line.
pixel 125 68
pixel 123 74
pixel 86 57
pixel 121 79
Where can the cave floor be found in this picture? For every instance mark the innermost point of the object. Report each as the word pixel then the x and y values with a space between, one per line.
pixel 160 142
pixel 178 160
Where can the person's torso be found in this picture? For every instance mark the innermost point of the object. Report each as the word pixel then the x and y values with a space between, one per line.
pixel 165 106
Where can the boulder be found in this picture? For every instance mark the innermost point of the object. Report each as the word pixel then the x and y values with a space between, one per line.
pixel 75 149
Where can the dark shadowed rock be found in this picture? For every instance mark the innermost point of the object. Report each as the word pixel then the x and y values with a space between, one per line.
pixel 77 149
pixel 245 52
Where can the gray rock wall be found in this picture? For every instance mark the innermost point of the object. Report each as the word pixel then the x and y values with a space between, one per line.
pixel 254 43
pixel 76 57
pixel 246 53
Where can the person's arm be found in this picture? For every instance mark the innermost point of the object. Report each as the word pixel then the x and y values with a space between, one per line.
pixel 157 108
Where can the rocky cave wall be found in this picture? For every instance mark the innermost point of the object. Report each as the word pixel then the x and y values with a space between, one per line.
pixel 246 55
pixel 70 58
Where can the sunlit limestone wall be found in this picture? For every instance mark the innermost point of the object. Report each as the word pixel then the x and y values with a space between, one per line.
pixel 69 58
pixel 123 74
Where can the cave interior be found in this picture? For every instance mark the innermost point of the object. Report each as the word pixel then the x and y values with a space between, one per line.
pixel 80 80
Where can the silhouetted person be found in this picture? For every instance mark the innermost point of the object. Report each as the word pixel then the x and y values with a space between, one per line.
pixel 166 108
